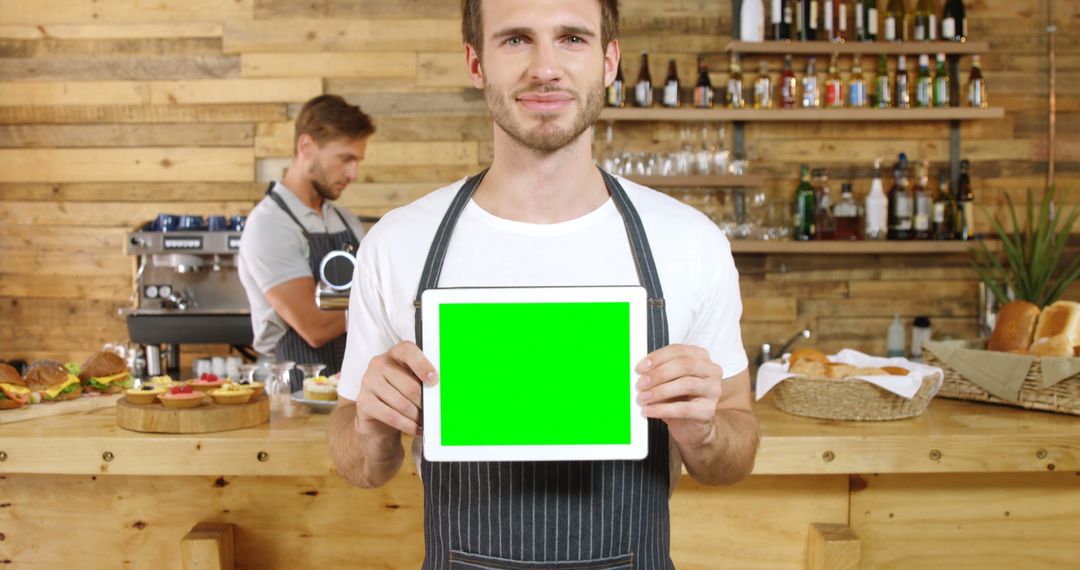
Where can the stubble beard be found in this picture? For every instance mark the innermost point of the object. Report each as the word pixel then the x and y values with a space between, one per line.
pixel 547 138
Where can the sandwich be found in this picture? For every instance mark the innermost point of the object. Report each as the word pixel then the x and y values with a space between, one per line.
pixel 13 390
pixel 106 372
pixel 52 381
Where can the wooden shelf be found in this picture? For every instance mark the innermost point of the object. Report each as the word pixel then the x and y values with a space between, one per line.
pixel 801 115
pixel 858 247
pixel 855 48
pixel 699 181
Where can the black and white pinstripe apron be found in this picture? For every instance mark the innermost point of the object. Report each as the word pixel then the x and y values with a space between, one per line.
pixel 594 515
pixel 292 346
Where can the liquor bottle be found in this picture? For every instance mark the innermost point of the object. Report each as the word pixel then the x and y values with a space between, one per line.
pixel 924 205
pixel 964 217
pixel 671 86
pixel 895 21
pixel 763 98
pixel 734 97
pixel 882 85
pixel 902 98
pixel 616 92
pixel 703 91
pixel 941 83
pixel 752 21
pixel 824 224
pixel 781 20
pixel 877 206
pixel 788 86
pixel 924 84
pixel 925 21
pixel 857 97
pixel 811 96
pixel 813 20
pixel 643 92
pixel 834 86
pixel 900 206
pixel 801 9
pixel 976 87
pixel 953 22
pixel 803 211
pixel 828 20
pixel 862 30
pixel 943 208
pixel 846 215
pixel 871 20
pixel 843 13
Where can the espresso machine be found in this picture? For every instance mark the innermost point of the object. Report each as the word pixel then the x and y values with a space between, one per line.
pixel 186 290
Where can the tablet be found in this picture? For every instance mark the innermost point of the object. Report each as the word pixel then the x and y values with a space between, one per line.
pixel 534 373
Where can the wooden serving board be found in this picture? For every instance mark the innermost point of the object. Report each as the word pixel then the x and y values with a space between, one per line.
pixel 207 418
pixel 44 410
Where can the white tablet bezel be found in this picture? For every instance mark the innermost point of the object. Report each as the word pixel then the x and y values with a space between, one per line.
pixel 638 447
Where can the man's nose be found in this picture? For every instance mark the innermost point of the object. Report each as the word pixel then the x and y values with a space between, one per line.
pixel 544 67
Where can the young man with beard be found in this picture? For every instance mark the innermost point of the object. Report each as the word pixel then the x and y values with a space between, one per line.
pixel 294 227
pixel 544 215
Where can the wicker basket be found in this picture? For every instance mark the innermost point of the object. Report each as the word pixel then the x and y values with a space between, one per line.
pixel 1063 397
pixel 849 399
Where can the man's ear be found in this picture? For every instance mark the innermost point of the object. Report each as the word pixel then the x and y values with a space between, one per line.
pixel 476 71
pixel 611 62
pixel 305 145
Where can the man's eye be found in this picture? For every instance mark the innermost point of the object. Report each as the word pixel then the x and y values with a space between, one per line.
pixel 515 41
pixel 575 40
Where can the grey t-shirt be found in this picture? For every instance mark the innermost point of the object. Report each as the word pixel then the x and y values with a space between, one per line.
pixel 273 251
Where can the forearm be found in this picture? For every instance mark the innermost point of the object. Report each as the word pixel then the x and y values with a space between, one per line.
pixel 320 327
pixel 727 456
pixel 362 461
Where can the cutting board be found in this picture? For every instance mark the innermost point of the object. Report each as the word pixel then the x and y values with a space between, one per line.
pixel 78 405
pixel 208 418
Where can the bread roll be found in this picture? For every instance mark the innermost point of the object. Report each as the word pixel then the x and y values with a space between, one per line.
pixel 1015 326
pixel 102 364
pixel 8 375
pixel 838 371
pixel 1060 318
pixel 810 355
pixel 812 369
pixel 1057 345
pixel 895 370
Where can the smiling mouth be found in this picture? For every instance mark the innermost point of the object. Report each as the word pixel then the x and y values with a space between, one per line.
pixel 545 102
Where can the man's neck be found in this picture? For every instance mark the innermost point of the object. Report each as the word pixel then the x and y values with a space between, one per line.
pixel 526 186
pixel 301 187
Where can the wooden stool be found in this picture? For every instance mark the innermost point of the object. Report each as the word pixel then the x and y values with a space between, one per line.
pixel 208 546
pixel 833 547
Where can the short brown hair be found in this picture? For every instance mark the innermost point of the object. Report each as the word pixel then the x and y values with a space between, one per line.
pixel 329 117
pixel 472 23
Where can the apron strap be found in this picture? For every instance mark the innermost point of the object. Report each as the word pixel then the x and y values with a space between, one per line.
pixel 354 241
pixel 270 194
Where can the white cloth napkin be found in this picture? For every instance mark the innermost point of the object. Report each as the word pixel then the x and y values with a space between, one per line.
pixel 774 372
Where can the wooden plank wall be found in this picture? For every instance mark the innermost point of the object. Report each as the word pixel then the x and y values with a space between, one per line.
pixel 114 111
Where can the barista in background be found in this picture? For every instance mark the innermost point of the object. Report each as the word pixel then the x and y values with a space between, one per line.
pixel 294 227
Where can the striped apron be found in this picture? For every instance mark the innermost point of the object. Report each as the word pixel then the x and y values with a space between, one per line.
pixel 594 515
pixel 292 346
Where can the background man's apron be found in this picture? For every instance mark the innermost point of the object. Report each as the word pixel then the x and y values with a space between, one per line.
pixel 292 346
pixel 594 515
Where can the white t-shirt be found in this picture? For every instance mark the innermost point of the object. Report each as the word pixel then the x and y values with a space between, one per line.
pixel 693 258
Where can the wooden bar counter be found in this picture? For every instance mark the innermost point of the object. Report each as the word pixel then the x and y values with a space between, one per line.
pixel 965 485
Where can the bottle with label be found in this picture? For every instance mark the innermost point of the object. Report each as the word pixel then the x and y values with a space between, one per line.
pixel 964 220
pixel 924 84
pixel 763 98
pixel 734 97
pixel 813 20
pixel 842 27
pixel 900 203
pixel 877 206
pixel 953 22
pixel 671 86
pixel 976 87
pixel 643 91
pixel 857 97
pixel 788 86
pixel 943 208
pixel 941 83
pixel 834 86
pixel 703 91
pixel 925 21
pixel 882 84
pixel 895 338
pixel 920 334
pixel 752 21
pixel 811 96
pixel 824 224
pixel 846 215
pixel 871 20
pixel 780 15
pixel 804 207
pixel 828 20
pixel 616 92
pixel 924 205
pixel 895 21
pixel 862 32
pixel 902 99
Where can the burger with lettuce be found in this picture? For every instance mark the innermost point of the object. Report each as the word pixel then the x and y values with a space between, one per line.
pixel 105 372
pixel 52 381
pixel 13 390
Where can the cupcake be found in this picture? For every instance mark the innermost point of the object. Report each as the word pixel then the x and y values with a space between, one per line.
pixel 179 397
pixel 320 388
pixel 144 395
pixel 230 394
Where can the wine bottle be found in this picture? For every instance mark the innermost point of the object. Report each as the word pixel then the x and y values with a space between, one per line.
pixel 925 21
pixel 752 21
pixel 964 224
pixel 902 98
pixel 882 85
pixel 671 86
pixel 924 84
pixel 895 21
pixel 941 83
pixel 735 98
pixel 943 208
pixel 871 20
pixel 643 92
pixel 703 91
pixel 976 88
pixel 804 207
pixel 953 22
pixel 780 16
pixel 788 86
pixel 900 204
pixel 924 205
pixel 763 98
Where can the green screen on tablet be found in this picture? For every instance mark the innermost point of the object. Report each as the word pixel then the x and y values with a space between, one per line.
pixel 534 373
